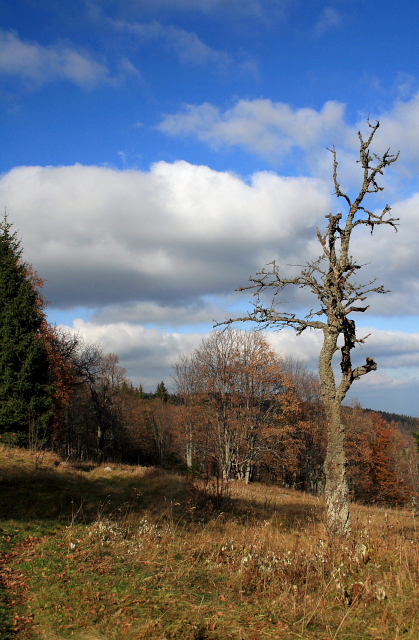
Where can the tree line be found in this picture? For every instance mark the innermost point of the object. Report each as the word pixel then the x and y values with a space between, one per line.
pixel 238 411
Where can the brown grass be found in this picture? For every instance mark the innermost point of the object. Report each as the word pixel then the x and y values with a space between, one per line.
pixel 151 555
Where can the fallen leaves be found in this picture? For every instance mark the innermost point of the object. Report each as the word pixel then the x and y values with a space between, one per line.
pixel 15 582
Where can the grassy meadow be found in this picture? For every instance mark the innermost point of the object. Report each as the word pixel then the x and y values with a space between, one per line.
pixel 136 553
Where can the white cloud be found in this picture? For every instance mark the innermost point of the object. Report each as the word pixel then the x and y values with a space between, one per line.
pixel 270 129
pixel 399 129
pixel 170 235
pixel 251 8
pixel 38 64
pixel 394 259
pixel 276 131
pixel 191 49
pixel 391 349
pixel 173 235
pixel 405 85
pixel 147 354
pixel 305 347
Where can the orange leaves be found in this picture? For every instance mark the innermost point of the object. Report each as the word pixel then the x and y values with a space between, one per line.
pixel 378 455
pixel 60 367
pixel 230 388
pixel 244 408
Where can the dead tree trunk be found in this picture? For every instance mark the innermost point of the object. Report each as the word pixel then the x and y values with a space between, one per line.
pixel 329 278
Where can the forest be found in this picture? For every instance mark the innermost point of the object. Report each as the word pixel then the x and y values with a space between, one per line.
pixel 195 514
pixel 238 411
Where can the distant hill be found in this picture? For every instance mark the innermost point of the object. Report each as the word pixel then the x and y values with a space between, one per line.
pixel 405 423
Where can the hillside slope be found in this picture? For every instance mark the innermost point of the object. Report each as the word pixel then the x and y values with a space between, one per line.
pixel 131 552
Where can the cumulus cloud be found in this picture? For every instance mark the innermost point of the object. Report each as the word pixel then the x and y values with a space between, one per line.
pixel 155 244
pixel 169 235
pixel 147 354
pixel 399 128
pixel 392 349
pixel 38 64
pixel 393 259
pixel 252 8
pixel 270 129
pixel 276 130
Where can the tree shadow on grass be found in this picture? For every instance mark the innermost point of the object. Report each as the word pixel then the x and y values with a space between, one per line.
pixel 6 616
pixel 81 496
pixel 86 494
pixel 290 514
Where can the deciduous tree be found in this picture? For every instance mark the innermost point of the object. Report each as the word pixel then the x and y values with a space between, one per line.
pixel 378 457
pixel 234 391
pixel 331 279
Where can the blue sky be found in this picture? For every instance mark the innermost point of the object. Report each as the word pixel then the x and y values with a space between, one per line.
pixel 156 153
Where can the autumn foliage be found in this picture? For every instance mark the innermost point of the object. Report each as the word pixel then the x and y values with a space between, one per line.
pixel 239 410
pixel 382 461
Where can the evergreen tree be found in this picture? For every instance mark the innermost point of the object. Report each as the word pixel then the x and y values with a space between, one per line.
pixel 161 392
pixel 25 400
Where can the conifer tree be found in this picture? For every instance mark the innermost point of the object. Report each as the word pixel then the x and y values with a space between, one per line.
pixel 161 392
pixel 25 401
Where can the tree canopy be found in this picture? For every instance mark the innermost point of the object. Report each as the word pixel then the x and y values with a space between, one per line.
pixel 25 399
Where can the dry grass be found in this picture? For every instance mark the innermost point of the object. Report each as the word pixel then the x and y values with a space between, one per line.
pixel 162 559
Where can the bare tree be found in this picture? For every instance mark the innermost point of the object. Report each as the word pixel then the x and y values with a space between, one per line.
pixel 233 390
pixel 186 384
pixel 329 278
pixel 92 421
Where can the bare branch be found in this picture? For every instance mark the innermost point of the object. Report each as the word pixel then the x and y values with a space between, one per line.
pixel 338 192
pixel 362 309
pixel 266 317
pixel 330 280
pixel 369 365
pixel 374 219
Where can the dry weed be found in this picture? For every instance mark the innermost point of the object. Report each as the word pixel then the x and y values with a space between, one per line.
pixel 161 560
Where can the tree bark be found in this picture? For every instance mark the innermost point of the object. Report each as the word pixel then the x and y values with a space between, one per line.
pixel 336 488
pixel 189 449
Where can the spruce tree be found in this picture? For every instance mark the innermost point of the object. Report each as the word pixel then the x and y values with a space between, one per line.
pixel 161 392
pixel 25 400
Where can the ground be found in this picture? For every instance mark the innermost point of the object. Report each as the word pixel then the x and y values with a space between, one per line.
pixel 132 552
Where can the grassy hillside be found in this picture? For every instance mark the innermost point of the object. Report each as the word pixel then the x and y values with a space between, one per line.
pixel 136 553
